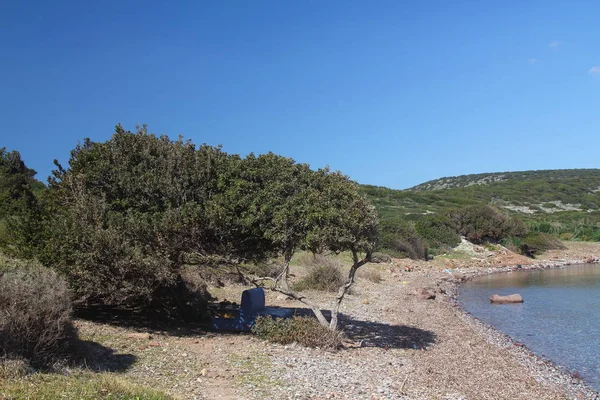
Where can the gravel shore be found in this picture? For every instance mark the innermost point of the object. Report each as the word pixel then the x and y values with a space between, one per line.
pixel 401 345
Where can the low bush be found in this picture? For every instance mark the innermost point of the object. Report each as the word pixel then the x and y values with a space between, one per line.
pixel 35 315
pixel 324 274
pixel 413 248
pixel 305 331
pixel 371 274
pixel 566 236
pixel 400 239
pixel 537 242
pixel 482 223
pixel 379 257
pixel 438 232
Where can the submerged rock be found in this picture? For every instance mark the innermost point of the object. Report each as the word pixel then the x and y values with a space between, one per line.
pixel 512 298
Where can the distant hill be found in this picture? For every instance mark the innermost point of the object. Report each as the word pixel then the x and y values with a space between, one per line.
pixel 587 177
pixel 548 195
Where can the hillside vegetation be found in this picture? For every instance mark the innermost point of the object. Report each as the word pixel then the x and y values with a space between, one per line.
pixel 560 202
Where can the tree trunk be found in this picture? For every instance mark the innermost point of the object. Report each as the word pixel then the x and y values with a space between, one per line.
pixel 285 289
pixel 333 324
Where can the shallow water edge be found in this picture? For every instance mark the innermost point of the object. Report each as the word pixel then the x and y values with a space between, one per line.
pixel 548 370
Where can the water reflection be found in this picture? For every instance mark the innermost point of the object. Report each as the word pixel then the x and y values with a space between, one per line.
pixel 586 275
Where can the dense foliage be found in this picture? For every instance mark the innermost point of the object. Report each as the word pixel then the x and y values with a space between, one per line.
pixel 482 223
pixel 131 222
pixel 19 208
pixel 400 238
pixel 564 203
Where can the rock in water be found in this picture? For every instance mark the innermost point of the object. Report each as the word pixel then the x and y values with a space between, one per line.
pixel 512 298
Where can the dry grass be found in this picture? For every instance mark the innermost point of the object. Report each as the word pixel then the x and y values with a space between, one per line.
pixel 324 273
pixel 371 274
pixel 80 386
pixel 35 315
pixel 13 368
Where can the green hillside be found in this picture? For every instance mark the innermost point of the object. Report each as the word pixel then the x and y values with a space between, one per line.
pixel 556 201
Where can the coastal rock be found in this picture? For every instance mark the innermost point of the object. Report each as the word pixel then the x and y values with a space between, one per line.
pixel 426 294
pixel 459 276
pixel 512 298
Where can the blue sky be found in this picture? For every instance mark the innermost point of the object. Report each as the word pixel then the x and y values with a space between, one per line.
pixel 392 93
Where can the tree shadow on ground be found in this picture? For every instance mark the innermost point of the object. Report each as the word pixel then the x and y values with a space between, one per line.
pixel 142 321
pixel 377 334
pixel 98 358
pixel 367 333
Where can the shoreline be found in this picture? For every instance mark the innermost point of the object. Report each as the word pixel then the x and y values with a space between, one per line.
pixel 574 386
pixel 403 346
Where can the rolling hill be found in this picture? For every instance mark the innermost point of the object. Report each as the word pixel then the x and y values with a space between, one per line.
pixel 560 197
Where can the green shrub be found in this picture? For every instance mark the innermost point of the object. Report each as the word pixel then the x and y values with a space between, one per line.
pixel 302 330
pixel 324 274
pixel 399 238
pixel 438 231
pixel 482 223
pixel 35 315
pixel 537 242
pixel 512 243
pixel 413 248
pixel 566 236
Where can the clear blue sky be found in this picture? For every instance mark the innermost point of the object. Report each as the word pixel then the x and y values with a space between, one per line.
pixel 392 93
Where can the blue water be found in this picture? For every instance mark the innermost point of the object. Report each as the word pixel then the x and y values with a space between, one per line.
pixel 559 319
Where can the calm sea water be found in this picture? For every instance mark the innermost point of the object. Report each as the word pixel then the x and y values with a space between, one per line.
pixel 559 319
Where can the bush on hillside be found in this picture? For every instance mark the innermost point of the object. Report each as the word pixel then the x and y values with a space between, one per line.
pixel 324 273
pixel 35 316
pixel 413 248
pixel 302 330
pixel 438 232
pixel 482 223
pixel 399 238
pixel 537 242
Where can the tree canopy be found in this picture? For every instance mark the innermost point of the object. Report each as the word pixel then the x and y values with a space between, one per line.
pixel 128 215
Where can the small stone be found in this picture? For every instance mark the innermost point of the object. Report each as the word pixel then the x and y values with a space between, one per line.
pixel 426 294
pixel 143 336
pixel 365 301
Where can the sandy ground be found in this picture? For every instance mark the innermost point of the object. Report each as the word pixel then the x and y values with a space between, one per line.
pixel 401 345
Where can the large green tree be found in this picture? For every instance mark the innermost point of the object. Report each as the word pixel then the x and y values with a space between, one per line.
pixel 322 210
pixel 128 213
